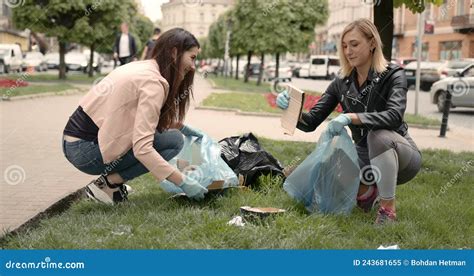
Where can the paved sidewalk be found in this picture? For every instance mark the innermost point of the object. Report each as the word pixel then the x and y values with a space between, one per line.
pixel 35 174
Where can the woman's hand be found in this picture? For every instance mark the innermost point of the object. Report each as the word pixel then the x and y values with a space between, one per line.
pixel 189 131
pixel 337 124
pixel 176 177
pixel 283 100
pixel 354 118
pixel 192 188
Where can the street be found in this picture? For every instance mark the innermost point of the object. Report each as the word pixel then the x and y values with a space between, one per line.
pixel 461 117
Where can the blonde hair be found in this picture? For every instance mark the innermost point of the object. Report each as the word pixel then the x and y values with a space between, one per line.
pixel 369 31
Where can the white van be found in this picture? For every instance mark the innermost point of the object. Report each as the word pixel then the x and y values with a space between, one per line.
pixel 11 58
pixel 323 67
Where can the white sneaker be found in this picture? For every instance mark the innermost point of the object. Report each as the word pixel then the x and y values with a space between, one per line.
pixel 101 190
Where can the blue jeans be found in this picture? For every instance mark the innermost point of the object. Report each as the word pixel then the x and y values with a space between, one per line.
pixel 86 156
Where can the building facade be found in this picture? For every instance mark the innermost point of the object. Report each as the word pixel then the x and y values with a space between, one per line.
pixel 194 16
pixel 453 31
pixel 8 34
pixel 341 13
pixel 452 24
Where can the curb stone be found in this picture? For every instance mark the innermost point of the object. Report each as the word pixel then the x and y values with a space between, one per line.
pixel 55 208
pixel 74 91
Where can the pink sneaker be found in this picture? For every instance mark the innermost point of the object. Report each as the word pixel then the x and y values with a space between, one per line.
pixel 385 215
pixel 368 203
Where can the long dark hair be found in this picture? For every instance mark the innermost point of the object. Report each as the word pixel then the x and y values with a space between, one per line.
pixel 174 108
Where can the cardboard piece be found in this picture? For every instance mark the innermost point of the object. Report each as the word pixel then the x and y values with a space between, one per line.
pixel 259 212
pixel 291 115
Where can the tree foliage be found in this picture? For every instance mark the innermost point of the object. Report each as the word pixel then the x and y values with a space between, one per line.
pixel 416 6
pixel 87 22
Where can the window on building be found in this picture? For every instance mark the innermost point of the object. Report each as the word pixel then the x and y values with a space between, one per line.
pixel 428 14
pixel 443 11
pixel 201 17
pixel 449 50
pixel 424 52
pixel 460 7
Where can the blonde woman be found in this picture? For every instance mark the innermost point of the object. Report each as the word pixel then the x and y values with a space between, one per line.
pixel 372 93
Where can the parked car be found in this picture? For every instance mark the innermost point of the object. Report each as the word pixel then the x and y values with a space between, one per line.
pixel 208 69
pixel 430 72
pixel 284 72
pixel 11 58
pixel 462 93
pixel 304 71
pixel 52 60
pixel 295 70
pixel 402 62
pixel 456 66
pixel 76 61
pixel 254 69
pixel 36 60
pixel 97 62
pixel 323 67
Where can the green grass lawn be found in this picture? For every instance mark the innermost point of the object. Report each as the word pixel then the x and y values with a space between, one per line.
pixel 250 102
pixel 239 85
pixel 34 89
pixel 431 214
pixel 231 84
pixel 421 120
pixel 42 77
pixel 257 103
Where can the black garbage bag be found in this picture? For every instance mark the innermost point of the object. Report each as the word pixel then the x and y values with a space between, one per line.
pixel 245 156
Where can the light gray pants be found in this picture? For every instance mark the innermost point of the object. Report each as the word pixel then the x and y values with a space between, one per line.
pixel 389 159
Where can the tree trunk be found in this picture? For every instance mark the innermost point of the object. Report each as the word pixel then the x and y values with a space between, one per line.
pixel 218 69
pixel 231 67
pixel 42 44
pixel 91 62
pixel 247 69
pixel 237 67
pixel 277 66
pixel 223 68
pixel 259 81
pixel 383 20
pixel 62 63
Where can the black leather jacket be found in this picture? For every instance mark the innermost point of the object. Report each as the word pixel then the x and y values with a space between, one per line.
pixel 380 104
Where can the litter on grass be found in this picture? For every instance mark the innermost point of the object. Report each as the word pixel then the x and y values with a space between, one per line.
pixel 237 221
pixel 389 247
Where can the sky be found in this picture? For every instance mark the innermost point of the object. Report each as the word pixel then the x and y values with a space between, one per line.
pixel 153 8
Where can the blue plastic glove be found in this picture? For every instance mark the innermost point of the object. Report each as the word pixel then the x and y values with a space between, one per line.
pixel 192 188
pixel 189 131
pixel 337 124
pixel 283 100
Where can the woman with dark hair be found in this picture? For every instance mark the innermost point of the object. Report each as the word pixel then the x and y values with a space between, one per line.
pixel 127 124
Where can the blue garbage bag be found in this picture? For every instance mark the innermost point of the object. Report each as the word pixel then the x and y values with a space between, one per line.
pixel 328 179
pixel 203 162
